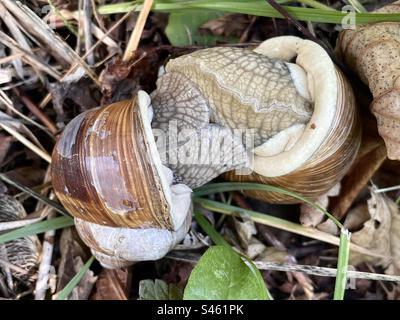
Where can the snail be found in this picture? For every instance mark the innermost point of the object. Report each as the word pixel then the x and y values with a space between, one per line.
pixel 303 113
pixel 126 171
pixel 107 173
pixel 372 51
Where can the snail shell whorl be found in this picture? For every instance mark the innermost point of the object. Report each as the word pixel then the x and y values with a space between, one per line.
pixel 107 173
pixel 104 173
pixel 334 147
pixel 328 165
pixel 120 247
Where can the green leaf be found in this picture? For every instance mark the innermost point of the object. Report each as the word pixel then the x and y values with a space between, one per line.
pixel 183 27
pixel 159 290
pixel 221 274
pixel 241 186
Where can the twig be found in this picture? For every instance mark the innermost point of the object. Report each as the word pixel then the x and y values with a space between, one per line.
pixel 36 26
pixel 12 267
pixel 14 29
pixel 311 270
pixel 9 104
pixel 35 195
pixel 306 32
pixel 45 263
pixel 323 271
pixel 137 32
pixel 87 30
pixel 47 99
pixel 44 155
pixel 36 111
pixel 387 189
pixel 28 57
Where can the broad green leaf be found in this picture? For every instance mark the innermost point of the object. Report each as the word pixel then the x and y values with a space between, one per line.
pixel 221 274
pixel 159 290
pixel 183 27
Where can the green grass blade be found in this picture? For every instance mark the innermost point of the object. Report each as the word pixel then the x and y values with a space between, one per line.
pixel 210 230
pixel 36 228
pixel 34 194
pixel 240 186
pixel 64 293
pixel 257 8
pixel 343 261
pixel 281 224
pixel 65 21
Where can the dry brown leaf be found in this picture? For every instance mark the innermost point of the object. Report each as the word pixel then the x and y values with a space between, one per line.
pixel 224 27
pixel 73 253
pixel 381 233
pixel 329 226
pixel 113 285
pixel 254 248
pixel 245 230
pixel 79 92
pixel 370 158
pixel 85 286
pixel 311 216
pixel 5 143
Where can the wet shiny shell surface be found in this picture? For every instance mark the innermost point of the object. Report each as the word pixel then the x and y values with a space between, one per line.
pixel 329 163
pixel 103 171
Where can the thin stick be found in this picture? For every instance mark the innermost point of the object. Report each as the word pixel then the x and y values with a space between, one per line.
pixel 36 111
pixel 47 99
pixel 28 57
pixel 44 155
pixel 35 195
pixel 306 32
pixel 45 263
pixel 311 270
pixel 47 247
pixel 9 104
pixel 137 32
pixel 387 189
pixel 87 30
pixel 12 266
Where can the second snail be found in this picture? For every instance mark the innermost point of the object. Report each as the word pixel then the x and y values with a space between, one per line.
pixel 280 114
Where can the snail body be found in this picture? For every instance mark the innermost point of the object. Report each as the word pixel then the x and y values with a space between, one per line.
pixel 304 114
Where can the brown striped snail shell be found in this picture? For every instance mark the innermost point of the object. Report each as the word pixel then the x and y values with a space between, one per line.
pixel 372 51
pixel 107 173
pixel 307 132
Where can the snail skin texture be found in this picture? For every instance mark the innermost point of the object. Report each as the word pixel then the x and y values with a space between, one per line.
pixel 372 51
pixel 288 90
pixel 107 173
